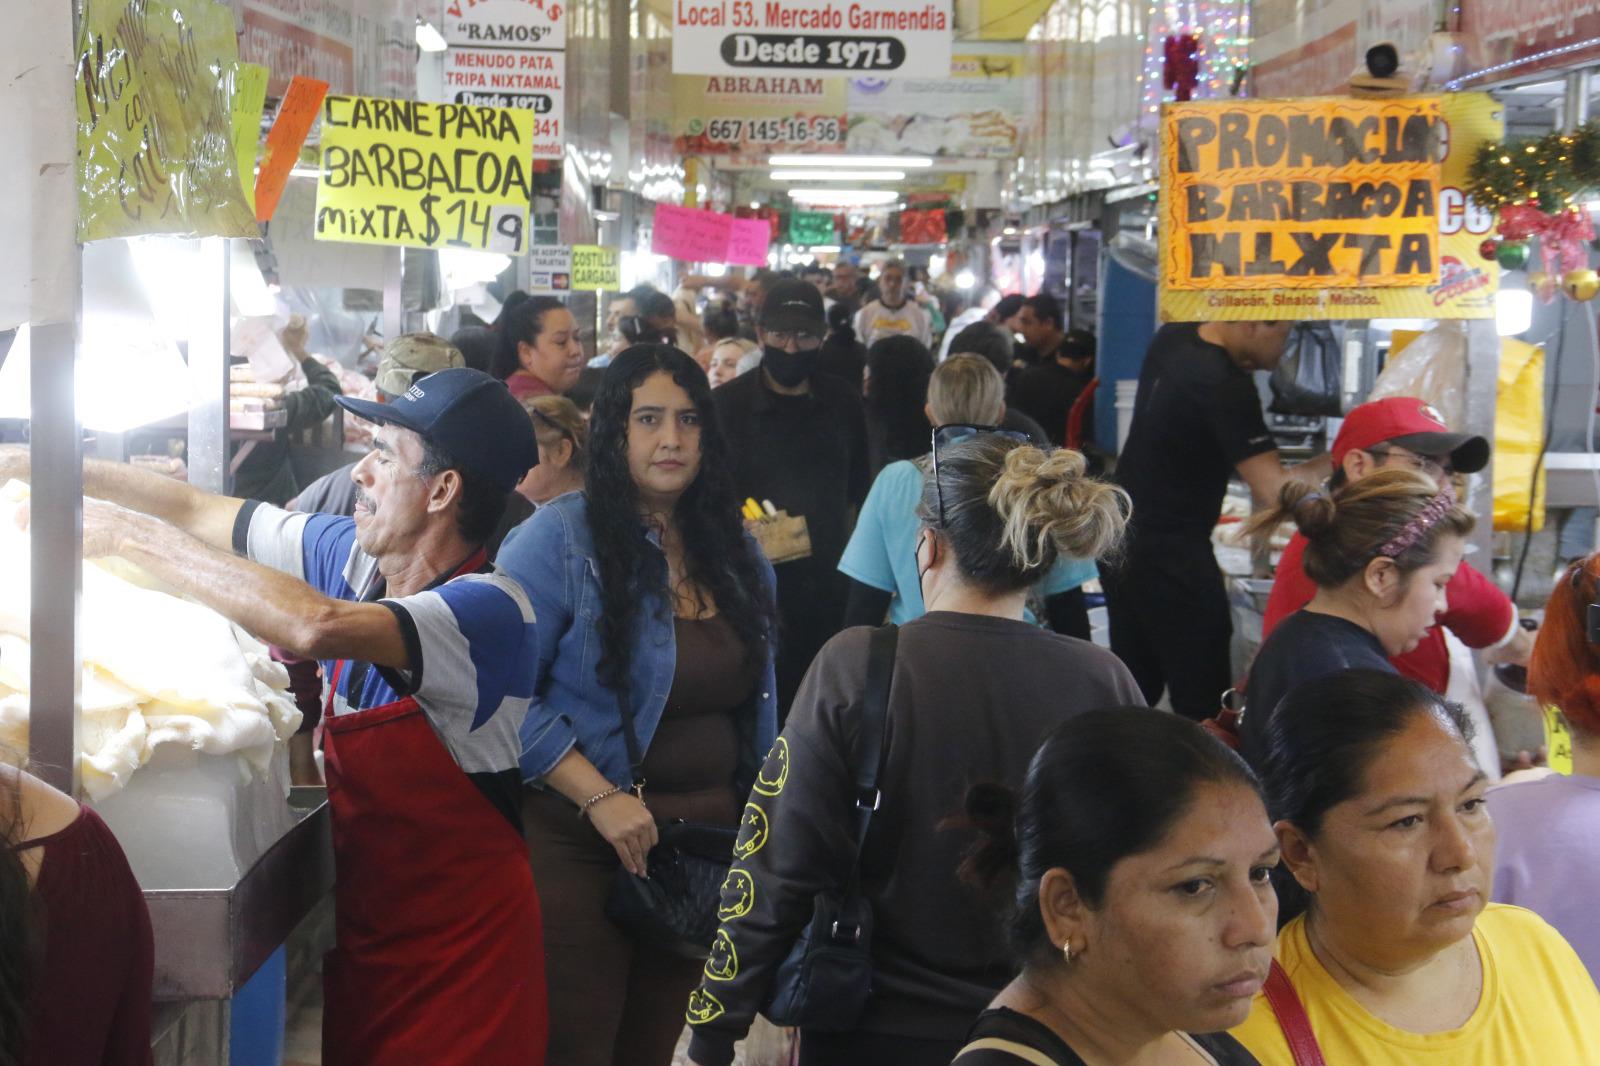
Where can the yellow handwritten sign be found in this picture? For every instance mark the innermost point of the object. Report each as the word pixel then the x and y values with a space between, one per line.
pixel 426 175
pixel 1325 208
pixel 155 124
pixel 249 98
pixel 1300 194
pixel 596 269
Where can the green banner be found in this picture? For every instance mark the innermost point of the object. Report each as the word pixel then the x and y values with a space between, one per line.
pixel 812 227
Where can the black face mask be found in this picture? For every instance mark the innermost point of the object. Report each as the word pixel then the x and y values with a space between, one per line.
pixel 789 368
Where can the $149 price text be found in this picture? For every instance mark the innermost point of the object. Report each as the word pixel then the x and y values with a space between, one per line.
pixel 427 175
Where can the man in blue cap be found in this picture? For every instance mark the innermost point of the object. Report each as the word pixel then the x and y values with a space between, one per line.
pixel 429 660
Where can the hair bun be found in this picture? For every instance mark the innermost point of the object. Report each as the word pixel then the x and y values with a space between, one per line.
pixel 1312 510
pixel 1049 506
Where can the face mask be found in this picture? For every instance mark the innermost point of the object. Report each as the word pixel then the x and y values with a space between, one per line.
pixel 788 368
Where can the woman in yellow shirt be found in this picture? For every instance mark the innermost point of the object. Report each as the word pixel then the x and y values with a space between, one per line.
pixel 1396 954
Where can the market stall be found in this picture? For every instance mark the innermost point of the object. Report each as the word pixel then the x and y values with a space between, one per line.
pixel 170 722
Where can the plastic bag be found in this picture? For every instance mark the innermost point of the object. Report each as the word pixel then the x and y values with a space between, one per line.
pixel 1433 368
pixel 1518 437
pixel 1308 380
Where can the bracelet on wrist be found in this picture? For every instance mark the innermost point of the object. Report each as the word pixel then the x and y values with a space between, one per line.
pixel 583 811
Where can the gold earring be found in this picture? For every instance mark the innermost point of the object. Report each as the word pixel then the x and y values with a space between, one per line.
pixel 1066 951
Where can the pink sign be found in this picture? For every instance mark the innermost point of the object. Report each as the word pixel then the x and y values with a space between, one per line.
pixel 747 245
pixel 692 236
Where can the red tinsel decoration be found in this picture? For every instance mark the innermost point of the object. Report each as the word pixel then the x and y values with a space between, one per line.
pixel 1563 238
pixel 923 227
pixel 1180 65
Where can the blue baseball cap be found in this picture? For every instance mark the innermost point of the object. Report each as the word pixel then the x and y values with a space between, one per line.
pixel 470 416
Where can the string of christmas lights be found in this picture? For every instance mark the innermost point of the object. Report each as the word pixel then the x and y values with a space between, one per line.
pixel 1223 27
pixel 1555 172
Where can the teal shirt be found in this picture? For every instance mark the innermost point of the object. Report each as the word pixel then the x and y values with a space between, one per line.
pixel 882 550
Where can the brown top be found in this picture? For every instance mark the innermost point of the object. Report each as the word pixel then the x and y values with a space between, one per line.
pixel 694 754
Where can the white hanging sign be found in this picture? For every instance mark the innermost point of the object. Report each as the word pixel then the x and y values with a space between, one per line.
pixel 510 53
pixel 881 38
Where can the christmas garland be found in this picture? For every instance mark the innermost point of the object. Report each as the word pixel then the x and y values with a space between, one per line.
pixel 1555 172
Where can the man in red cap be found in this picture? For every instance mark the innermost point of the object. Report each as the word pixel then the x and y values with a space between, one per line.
pixel 1404 432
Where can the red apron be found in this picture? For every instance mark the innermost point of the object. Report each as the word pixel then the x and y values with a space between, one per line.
pixel 440 957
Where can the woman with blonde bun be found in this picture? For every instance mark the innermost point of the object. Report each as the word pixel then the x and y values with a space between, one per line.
pixel 966 395
pixel 973 691
pixel 1381 551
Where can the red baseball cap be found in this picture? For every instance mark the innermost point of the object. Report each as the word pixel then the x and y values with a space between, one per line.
pixel 1413 424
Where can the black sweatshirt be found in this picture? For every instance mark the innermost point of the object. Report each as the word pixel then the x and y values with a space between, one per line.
pixel 972 699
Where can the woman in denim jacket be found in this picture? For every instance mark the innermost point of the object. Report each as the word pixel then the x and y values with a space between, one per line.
pixel 649 595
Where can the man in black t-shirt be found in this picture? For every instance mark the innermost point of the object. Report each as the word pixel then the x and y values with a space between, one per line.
pixel 1046 391
pixel 1196 421
pixel 799 439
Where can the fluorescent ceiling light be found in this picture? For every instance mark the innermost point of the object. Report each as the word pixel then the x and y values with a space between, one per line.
pixel 891 162
pixel 838 175
pixel 844 197
pixel 429 39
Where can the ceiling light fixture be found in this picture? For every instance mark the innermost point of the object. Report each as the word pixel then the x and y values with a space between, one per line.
pixel 837 175
pixel 890 162
pixel 844 197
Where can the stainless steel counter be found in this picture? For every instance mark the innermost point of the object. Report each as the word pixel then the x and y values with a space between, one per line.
pixel 209 940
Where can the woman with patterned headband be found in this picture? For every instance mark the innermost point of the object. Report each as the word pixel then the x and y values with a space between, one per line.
pixel 1381 551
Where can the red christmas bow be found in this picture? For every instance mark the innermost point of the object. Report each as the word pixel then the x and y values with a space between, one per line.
pixel 1563 238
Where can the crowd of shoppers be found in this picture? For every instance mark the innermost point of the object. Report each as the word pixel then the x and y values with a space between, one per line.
pixel 974 690
pixel 1039 868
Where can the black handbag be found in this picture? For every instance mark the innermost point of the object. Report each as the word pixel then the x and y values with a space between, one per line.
pixel 825 982
pixel 674 909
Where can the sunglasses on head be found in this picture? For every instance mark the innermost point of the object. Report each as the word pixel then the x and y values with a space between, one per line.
pixel 956 432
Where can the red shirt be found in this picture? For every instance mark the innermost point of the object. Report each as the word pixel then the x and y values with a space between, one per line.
pixel 90 1000
pixel 1477 612
pixel 523 385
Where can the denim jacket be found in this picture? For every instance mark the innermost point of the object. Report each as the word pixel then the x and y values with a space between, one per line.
pixel 552 555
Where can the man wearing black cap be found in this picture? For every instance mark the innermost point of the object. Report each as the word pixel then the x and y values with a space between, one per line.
pixel 799 440
pixel 430 665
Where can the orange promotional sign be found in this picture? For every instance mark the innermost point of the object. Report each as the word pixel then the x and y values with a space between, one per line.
pixel 1300 194
pixel 296 114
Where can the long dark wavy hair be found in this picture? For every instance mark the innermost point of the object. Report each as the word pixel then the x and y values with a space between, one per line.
pixel 898 369
pixel 717 558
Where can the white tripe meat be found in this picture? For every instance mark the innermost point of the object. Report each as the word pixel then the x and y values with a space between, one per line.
pixel 157 670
